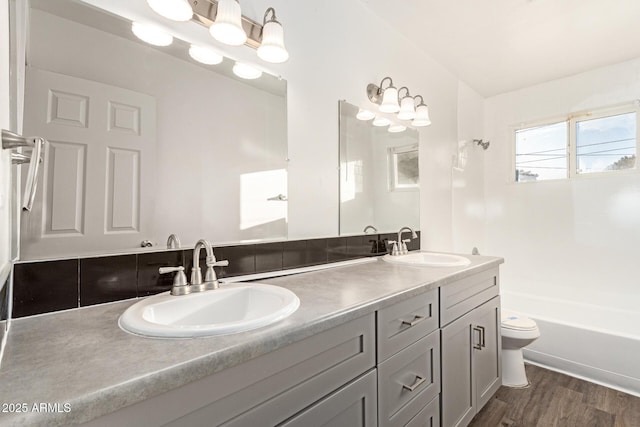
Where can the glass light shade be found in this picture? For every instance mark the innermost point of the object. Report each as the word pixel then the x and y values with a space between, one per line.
pixel 364 115
pixel 150 34
pixel 390 100
pixel 176 10
pixel 395 128
pixel 205 55
pixel 245 71
pixel 381 121
pixel 227 27
pixel 272 47
pixel 407 109
pixel 422 116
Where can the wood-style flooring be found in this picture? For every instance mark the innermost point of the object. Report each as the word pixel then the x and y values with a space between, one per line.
pixel 555 399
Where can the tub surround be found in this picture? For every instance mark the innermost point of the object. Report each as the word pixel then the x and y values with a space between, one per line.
pixel 82 358
pixel 53 285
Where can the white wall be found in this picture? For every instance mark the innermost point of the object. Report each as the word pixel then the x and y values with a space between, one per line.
pixel 337 47
pixel 468 210
pixel 570 240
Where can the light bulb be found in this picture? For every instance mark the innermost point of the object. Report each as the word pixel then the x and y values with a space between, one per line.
pixel 381 121
pixel 245 71
pixel 205 55
pixel 176 10
pixel 364 115
pixel 272 47
pixel 150 34
pixel 390 100
pixel 407 109
pixel 422 116
pixel 396 128
pixel 227 27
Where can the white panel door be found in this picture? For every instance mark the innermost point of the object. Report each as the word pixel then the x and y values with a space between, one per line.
pixel 97 191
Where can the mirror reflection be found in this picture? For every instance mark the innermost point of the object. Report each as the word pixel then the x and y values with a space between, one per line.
pixel 379 176
pixel 144 141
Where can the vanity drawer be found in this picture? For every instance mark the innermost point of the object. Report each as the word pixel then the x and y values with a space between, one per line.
pixel 428 417
pixel 353 405
pixel 406 322
pixel 462 296
pixel 408 381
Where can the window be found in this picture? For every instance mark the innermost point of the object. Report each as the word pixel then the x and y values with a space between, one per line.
pixel 597 142
pixel 403 168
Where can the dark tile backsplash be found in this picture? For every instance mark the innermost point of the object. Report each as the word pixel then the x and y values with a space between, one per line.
pixel 150 281
pixel 41 287
pixel 107 279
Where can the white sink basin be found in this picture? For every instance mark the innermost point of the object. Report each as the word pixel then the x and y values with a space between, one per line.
pixel 429 259
pixel 230 309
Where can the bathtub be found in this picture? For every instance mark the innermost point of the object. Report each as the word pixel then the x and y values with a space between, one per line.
pixel 596 343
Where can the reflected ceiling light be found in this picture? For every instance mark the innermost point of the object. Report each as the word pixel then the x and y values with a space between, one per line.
pixel 150 34
pixel 407 108
pixel 381 121
pixel 205 55
pixel 364 114
pixel 176 10
pixel 227 27
pixel 272 47
pixel 396 128
pixel 422 114
pixel 245 71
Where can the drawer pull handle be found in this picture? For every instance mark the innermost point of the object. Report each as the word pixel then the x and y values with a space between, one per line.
pixel 417 319
pixel 417 383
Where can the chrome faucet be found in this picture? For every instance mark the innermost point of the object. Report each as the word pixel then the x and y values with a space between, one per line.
pixel 375 230
pixel 210 279
pixel 173 242
pixel 400 246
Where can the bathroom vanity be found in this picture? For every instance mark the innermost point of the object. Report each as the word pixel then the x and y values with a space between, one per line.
pixel 366 347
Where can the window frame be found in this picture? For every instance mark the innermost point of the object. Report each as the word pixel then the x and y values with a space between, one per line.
pixel 572 120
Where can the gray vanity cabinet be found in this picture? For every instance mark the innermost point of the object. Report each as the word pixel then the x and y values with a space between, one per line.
pixel 408 359
pixel 471 347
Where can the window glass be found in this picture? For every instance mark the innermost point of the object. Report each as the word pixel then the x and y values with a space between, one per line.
pixel 606 144
pixel 541 152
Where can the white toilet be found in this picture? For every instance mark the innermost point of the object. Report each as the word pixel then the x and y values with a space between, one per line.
pixel 517 332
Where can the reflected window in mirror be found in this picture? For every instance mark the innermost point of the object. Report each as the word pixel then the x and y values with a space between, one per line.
pixel 379 175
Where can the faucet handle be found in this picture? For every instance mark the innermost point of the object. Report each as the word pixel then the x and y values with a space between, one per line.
pixel 404 246
pixel 394 250
pixel 180 285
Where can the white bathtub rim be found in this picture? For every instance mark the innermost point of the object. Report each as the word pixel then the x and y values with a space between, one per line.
pixel 564 322
pixel 597 375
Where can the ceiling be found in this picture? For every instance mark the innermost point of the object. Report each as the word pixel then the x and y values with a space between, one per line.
pixel 497 46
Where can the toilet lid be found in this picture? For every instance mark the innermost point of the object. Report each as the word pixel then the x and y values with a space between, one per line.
pixel 511 320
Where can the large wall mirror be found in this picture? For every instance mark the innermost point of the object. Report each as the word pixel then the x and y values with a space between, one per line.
pixel 144 141
pixel 379 176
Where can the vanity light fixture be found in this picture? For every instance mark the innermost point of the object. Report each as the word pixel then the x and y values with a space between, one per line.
pixel 176 10
pixel 407 108
pixel 364 114
pixel 245 71
pixel 205 55
pixel 272 46
pixel 151 34
pixel 227 27
pixel 381 121
pixel 422 114
pixel 390 102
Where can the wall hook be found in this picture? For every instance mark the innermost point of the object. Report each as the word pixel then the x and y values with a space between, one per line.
pixel 481 143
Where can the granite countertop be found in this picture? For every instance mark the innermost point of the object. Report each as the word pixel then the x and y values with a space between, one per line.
pixel 83 362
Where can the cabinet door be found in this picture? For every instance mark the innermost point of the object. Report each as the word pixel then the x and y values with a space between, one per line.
pixel 458 384
pixel 353 406
pixel 488 366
